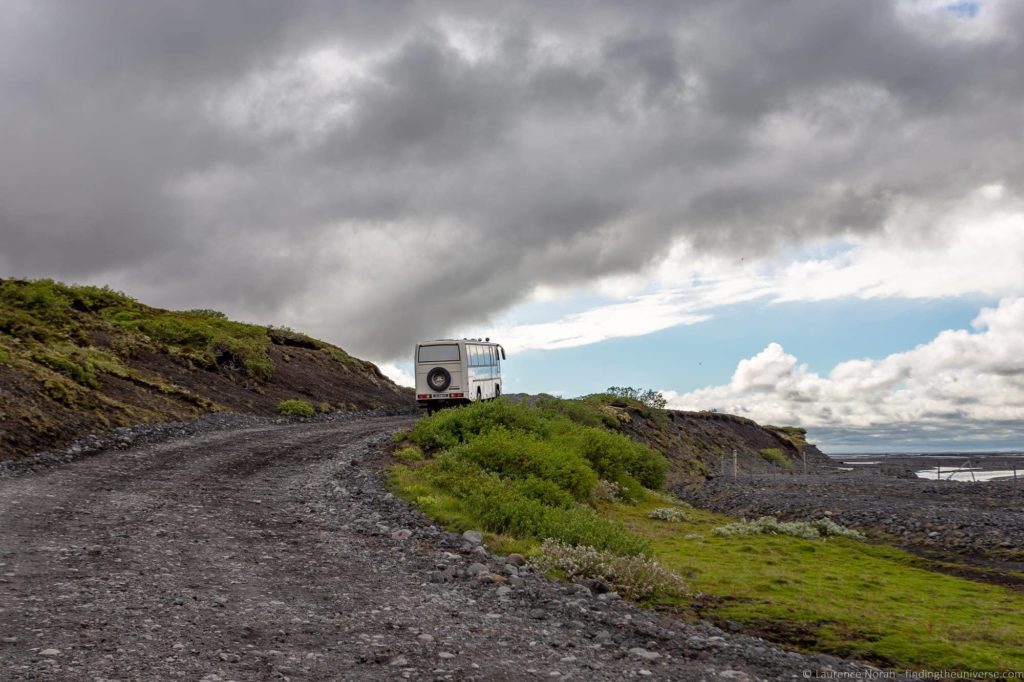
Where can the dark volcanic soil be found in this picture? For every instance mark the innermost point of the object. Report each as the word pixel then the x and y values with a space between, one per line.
pixel 274 552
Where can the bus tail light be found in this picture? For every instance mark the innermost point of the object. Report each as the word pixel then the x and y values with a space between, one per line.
pixel 422 396
pixel 457 395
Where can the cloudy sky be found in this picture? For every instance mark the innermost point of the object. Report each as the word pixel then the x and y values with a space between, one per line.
pixel 801 211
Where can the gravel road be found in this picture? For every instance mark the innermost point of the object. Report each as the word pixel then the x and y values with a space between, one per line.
pixel 275 552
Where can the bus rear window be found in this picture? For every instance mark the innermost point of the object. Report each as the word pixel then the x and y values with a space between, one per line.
pixel 444 353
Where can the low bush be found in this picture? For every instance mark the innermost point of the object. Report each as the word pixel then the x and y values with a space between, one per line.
pixel 531 472
pixel 524 455
pixel 409 454
pixel 295 408
pixel 636 577
pixel 667 514
pixel 769 525
pixel 526 508
pixel 776 456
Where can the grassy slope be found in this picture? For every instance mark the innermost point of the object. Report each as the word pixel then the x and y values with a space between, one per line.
pixel 75 360
pixel 835 595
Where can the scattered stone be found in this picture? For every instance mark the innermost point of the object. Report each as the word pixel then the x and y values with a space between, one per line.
pixel 399 661
pixel 737 675
pixel 50 652
pixel 474 537
pixel 644 654
pixel 403 534
pixel 477 569
pixel 446 655
pixel 516 559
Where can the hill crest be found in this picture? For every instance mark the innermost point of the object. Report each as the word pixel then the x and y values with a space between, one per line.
pixel 76 360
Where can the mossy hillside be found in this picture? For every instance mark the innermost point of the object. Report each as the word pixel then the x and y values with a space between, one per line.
pixel 824 594
pixel 79 359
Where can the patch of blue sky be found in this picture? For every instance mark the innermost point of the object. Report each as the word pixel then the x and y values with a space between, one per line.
pixel 965 10
pixel 820 250
pixel 683 358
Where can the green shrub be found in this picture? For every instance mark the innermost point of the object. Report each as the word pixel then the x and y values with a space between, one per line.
pixel 776 456
pixel 637 577
pixel 522 455
pixel 449 428
pixel 43 298
pixel 769 525
pixel 206 312
pixel 507 506
pixel 5 355
pixel 648 397
pixel 409 454
pixel 532 472
pixel 295 408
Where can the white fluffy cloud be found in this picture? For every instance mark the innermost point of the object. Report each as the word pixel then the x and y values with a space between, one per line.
pixel 960 378
pixel 397 374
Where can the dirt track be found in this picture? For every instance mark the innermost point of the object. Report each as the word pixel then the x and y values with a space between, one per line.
pixel 270 553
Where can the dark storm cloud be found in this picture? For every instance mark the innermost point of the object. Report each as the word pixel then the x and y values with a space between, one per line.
pixel 377 172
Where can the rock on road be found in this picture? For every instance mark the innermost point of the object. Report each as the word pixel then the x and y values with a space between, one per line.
pixel 275 552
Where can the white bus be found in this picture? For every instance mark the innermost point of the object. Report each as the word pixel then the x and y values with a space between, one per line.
pixel 457 372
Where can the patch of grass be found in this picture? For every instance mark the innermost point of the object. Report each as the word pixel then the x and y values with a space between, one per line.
pixel 209 341
pixel 837 595
pixel 410 453
pixel 776 456
pixel 5 355
pixel 65 366
pixel 295 408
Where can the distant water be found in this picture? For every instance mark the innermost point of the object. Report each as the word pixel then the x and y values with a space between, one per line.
pixel 978 467
pixel 977 475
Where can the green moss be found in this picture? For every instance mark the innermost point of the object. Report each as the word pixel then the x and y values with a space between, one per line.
pixel 295 408
pixel 65 366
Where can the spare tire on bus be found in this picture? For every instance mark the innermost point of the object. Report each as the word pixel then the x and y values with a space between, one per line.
pixel 439 379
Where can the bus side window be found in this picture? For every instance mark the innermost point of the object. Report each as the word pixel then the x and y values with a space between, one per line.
pixel 471 356
pixel 494 356
pixel 475 356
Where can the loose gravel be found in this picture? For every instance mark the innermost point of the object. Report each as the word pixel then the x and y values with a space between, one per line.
pixel 262 551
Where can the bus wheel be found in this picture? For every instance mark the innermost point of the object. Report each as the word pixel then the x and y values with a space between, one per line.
pixel 479 393
pixel 497 391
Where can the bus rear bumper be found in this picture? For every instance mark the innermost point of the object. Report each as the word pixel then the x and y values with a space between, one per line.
pixel 441 403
